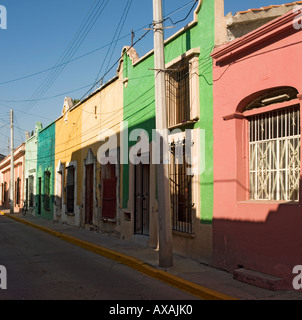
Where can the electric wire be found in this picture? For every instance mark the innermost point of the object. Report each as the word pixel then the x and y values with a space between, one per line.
pixel 93 14
pixel 85 54
pixel 115 41
pixel 118 30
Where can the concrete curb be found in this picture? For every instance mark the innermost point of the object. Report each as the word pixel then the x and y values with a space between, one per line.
pixel 182 284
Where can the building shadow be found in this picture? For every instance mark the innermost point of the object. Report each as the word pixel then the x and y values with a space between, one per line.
pixel 261 236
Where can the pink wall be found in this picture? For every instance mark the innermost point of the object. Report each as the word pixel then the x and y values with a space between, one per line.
pixel 261 236
pixel 19 161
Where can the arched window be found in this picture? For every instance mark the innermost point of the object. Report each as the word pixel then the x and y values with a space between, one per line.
pixel 274 145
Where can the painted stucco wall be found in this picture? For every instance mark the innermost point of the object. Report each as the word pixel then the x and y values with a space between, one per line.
pixel 260 235
pixel 45 162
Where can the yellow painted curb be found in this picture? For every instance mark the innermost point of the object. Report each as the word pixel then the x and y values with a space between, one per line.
pixel 190 287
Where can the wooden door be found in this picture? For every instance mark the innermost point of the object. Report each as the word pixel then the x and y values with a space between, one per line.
pixel 141 198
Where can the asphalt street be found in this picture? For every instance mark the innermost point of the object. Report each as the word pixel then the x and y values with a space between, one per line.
pixel 42 267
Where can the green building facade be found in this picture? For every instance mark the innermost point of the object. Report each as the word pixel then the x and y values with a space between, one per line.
pixel 44 200
pixel 189 83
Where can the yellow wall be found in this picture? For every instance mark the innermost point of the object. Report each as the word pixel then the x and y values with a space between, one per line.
pixel 102 111
pixel 78 131
pixel 68 143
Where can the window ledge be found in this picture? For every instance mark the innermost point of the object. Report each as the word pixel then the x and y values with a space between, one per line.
pixel 110 220
pixel 183 234
pixel 269 202
pixel 181 124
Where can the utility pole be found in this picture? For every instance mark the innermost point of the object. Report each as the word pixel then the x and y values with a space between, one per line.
pixel 12 184
pixel 132 37
pixel 164 219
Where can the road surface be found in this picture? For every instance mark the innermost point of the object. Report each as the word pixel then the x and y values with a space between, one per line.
pixel 42 267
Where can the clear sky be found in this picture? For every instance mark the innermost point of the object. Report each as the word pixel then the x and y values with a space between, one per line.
pixel 57 48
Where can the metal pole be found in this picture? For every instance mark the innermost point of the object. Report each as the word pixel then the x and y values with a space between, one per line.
pixel 164 218
pixel 12 184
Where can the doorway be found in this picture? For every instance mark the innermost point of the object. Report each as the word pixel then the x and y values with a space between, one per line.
pixel 141 198
pixel 109 194
pixel 89 194
pixel 39 195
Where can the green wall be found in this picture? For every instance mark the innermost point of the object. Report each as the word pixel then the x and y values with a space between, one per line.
pixel 30 168
pixel 45 162
pixel 139 96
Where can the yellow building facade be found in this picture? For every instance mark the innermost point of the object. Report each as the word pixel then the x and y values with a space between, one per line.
pixel 81 180
pixel 68 164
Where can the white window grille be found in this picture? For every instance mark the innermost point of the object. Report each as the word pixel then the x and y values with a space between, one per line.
pixel 274 146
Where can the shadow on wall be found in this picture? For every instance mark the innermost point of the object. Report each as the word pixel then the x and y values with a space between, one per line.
pixel 272 246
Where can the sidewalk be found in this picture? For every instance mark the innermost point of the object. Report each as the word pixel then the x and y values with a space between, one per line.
pixel 200 280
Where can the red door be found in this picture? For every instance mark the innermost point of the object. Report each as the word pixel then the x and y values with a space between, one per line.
pixel 109 181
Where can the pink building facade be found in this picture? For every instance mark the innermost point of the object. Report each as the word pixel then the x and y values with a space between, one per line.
pixel 257 221
pixel 5 179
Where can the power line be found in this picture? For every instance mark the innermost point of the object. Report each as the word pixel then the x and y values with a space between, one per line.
pixel 89 52
pixel 18 127
pixel 56 71
pixel 71 60
pixel 108 70
pixel 47 98
pixel 117 61
pixel 92 16
pixel 33 101
pixel 120 26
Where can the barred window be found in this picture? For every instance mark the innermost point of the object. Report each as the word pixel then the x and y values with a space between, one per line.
pixel 274 145
pixel 178 94
pixel 70 189
pixel 180 188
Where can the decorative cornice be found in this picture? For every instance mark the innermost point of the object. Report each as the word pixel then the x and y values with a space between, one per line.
pixel 256 37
